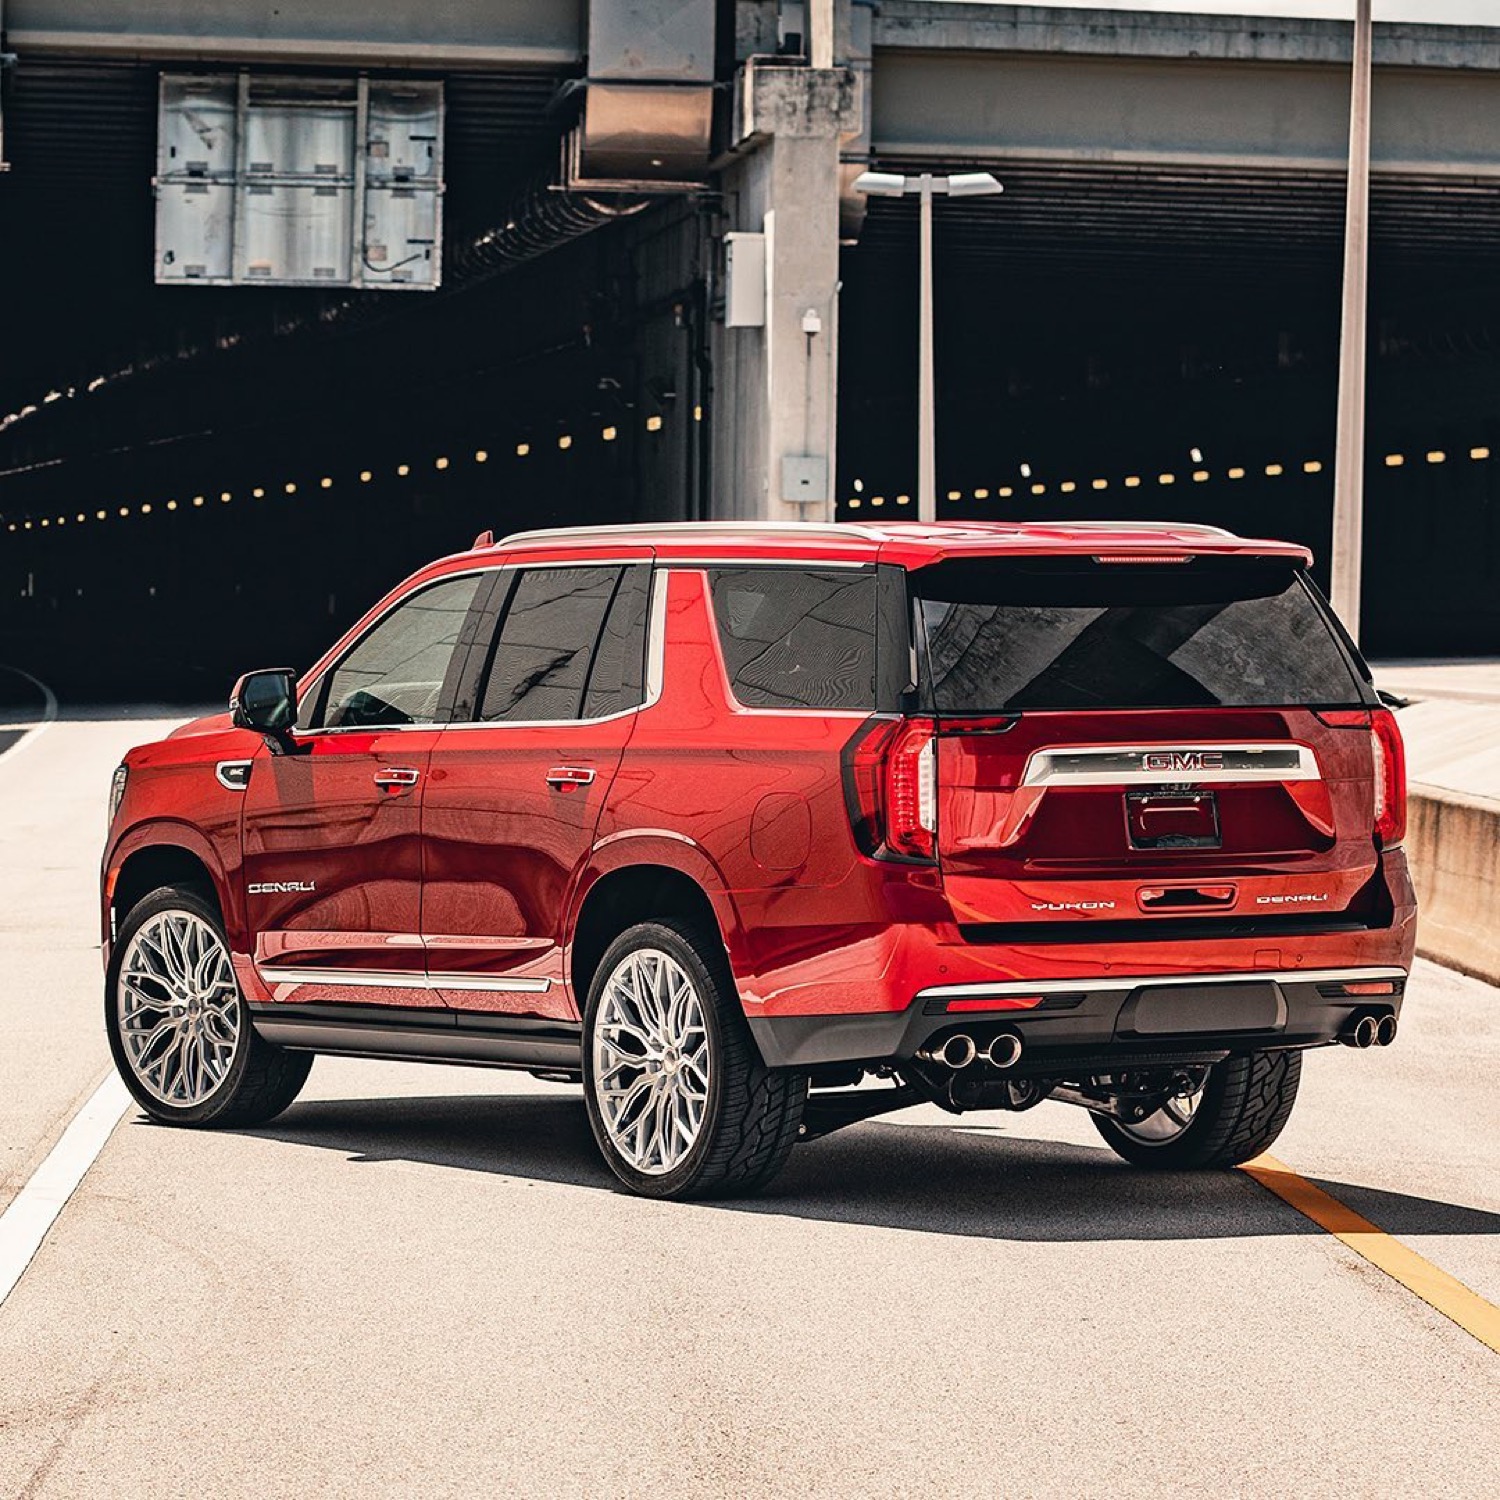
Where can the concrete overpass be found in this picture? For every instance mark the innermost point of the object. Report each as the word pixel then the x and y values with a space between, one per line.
pixel 1158 279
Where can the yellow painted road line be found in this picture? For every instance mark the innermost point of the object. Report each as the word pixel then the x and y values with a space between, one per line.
pixel 1437 1288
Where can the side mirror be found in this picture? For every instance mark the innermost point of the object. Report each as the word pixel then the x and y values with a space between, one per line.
pixel 266 702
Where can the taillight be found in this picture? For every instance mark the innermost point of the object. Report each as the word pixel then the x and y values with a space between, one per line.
pixel 890 786
pixel 1390 778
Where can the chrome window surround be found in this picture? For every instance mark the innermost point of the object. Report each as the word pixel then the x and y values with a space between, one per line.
pixel 656 635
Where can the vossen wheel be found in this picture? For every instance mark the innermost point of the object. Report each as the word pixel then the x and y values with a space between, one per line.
pixel 1235 1113
pixel 678 1099
pixel 178 1026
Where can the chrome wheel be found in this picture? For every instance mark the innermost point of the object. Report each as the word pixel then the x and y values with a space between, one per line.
pixel 177 1007
pixel 1174 1116
pixel 650 1056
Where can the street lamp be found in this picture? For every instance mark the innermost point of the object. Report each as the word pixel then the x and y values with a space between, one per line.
pixel 955 185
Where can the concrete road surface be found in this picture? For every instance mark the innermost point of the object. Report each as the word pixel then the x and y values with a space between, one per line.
pixel 422 1281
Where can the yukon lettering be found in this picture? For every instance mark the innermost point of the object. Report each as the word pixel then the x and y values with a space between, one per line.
pixel 1072 906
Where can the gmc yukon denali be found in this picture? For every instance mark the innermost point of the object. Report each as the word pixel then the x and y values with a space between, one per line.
pixel 758 831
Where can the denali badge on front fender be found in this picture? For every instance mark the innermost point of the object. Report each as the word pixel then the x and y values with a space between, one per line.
pixel 280 887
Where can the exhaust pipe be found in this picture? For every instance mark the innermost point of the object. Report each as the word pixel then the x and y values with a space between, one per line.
pixel 1385 1031
pixel 1004 1051
pixel 1362 1033
pixel 956 1051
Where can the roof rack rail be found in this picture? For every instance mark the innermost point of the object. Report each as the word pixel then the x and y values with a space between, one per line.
pixel 687 528
pixel 1185 526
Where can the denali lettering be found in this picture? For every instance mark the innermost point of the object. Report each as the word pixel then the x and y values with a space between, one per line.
pixel 281 887
pixel 1182 760
pixel 1072 906
pixel 1285 900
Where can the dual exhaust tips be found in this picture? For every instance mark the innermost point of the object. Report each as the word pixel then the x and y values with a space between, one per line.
pixel 960 1049
pixel 1369 1031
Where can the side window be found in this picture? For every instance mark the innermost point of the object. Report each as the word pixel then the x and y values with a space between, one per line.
pixel 618 678
pixel 797 638
pixel 395 672
pixel 540 666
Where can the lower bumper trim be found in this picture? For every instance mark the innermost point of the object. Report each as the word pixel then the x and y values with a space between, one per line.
pixel 1115 1018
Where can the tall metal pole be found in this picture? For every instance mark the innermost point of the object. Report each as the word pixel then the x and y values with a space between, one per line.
pixel 926 397
pixel 1349 468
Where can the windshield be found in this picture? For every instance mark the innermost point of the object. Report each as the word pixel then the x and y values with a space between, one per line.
pixel 1063 633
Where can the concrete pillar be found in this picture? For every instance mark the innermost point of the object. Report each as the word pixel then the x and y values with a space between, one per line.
pixel 776 384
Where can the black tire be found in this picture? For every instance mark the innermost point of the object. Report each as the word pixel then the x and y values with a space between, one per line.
pixel 260 1080
pixel 1245 1104
pixel 753 1112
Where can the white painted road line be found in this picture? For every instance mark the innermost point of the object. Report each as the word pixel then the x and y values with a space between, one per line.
pixel 31 1213
pixel 49 712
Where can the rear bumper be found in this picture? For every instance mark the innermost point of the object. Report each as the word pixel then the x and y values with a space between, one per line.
pixel 1103 1022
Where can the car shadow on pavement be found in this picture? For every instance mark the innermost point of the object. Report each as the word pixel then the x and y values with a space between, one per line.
pixel 968 1179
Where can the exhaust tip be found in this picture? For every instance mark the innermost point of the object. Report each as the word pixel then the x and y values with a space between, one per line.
pixel 1004 1051
pixel 1385 1031
pixel 1363 1032
pixel 956 1051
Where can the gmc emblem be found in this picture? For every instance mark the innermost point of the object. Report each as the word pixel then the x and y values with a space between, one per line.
pixel 1182 760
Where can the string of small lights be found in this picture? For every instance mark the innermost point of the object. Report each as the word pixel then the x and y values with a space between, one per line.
pixel 523 448
pixel 859 500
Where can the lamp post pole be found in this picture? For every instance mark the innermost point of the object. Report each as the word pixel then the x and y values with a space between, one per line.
pixel 1349 466
pixel 926 390
pixel 957 185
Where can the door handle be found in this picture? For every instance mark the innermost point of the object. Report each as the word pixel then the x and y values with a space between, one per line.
pixel 564 778
pixel 395 777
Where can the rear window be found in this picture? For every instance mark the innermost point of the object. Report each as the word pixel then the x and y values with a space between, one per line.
pixel 1057 633
pixel 797 637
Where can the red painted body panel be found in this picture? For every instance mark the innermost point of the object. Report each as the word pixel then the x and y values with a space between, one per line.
pixel 1014 853
pixel 320 821
pixel 503 848
pixel 482 869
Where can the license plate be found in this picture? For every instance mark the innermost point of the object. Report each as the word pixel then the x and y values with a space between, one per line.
pixel 1172 820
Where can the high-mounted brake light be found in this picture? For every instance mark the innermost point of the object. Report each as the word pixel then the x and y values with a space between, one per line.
pixel 1390 778
pixel 1144 557
pixel 890 781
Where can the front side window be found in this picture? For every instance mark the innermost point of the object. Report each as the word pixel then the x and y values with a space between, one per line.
pixel 798 637
pixel 395 673
pixel 540 670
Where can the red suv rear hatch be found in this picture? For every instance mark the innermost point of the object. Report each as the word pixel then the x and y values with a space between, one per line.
pixel 1145 741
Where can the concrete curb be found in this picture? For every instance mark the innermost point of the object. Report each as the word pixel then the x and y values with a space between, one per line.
pixel 1453 844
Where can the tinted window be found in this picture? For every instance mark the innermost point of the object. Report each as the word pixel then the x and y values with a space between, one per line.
pixel 395 674
pixel 617 680
pixel 795 638
pixel 1055 633
pixel 552 622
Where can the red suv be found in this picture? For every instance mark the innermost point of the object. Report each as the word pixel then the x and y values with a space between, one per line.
pixel 757 831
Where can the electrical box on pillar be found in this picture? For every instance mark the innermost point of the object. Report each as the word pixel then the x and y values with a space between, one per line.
pixel 804 479
pixel 744 280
